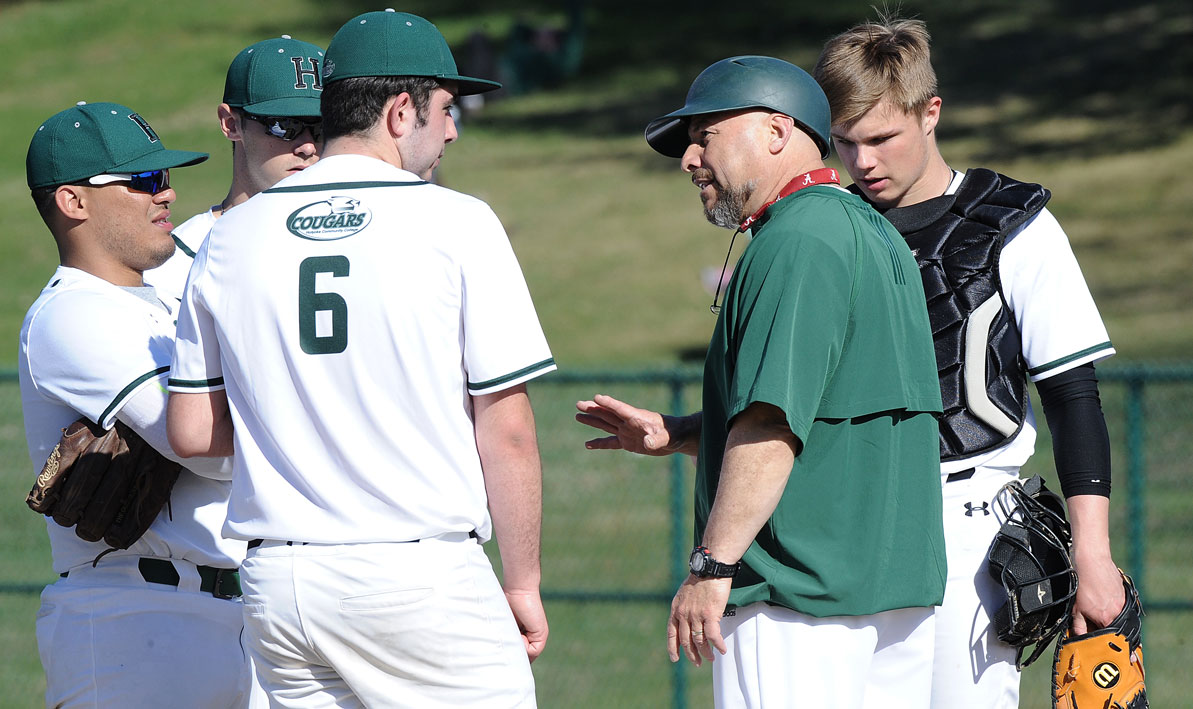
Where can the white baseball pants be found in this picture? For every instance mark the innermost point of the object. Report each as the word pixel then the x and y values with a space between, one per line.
pixel 778 658
pixel 108 638
pixel 419 624
pixel 973 668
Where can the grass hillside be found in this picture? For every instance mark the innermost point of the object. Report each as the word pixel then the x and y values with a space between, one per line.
pixel 1092 99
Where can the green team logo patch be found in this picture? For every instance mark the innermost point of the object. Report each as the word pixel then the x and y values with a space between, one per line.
pixel 330 219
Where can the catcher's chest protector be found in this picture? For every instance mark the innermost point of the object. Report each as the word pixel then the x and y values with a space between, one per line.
pixel 956 241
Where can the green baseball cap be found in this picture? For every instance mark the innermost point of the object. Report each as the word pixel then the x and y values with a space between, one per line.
pixel 91 139
pixel 276 77
pixel 388 43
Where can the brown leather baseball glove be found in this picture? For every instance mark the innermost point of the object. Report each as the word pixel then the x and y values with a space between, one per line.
pixel 1103 668
pixel 108 485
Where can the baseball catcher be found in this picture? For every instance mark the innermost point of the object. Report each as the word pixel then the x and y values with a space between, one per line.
pixel 108 485
pixel 1103 668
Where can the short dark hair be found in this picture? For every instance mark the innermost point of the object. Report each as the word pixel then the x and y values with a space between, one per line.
pixel 47 206
pixel 354 105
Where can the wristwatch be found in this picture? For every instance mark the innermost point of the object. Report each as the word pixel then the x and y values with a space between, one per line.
pixel 704 566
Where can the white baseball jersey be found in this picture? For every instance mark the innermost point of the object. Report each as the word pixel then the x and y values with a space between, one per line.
pixel 350 333
pixel 1058 322
pixel 170 278
pixel 88 347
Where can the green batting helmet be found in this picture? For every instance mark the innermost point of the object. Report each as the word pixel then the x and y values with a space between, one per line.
pixel 746 82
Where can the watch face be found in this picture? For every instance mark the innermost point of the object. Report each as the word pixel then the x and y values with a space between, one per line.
pixel 696 562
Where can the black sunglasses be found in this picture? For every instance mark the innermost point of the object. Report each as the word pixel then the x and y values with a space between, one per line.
pixel 151 182
pixel 288 128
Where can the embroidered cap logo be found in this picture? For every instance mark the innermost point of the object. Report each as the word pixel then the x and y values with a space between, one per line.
pixel 300 74
pixel 144 126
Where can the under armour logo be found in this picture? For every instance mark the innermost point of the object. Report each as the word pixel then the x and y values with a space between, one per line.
pixel 1040 593
pixel 984 508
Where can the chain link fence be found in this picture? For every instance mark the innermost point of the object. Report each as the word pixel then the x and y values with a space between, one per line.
pixel 617 529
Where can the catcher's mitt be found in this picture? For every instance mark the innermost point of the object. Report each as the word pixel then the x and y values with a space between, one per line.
pixel 1103 668
pixel 108 485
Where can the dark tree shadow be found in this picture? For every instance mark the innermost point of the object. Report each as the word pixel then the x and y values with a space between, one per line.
pixel 1125 68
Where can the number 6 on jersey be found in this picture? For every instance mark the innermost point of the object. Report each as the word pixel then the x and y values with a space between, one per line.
pixel 311 302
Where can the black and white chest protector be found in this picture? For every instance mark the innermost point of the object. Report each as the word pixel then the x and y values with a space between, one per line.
pixel 956 240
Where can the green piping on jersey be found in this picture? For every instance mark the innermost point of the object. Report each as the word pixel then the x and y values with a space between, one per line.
pixel 896 266
pixel 1065 360
pixel 342 186
pixel 128 389
pixel 195 383
pixel 181 246
pixel 512 375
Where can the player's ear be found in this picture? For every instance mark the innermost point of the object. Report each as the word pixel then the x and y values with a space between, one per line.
pixel 73 201
pixel 400 115
pixel 231 122
pixel 931 115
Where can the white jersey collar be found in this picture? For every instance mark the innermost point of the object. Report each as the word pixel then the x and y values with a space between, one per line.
pixel 955 183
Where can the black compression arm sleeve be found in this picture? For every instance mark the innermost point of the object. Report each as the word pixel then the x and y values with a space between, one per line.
pixel 1080 443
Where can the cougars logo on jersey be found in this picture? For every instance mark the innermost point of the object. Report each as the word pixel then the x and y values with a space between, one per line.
pixel 329 219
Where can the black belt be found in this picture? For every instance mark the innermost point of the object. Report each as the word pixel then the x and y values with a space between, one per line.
pixel 221 583
pixel 254 543
pixel 959 475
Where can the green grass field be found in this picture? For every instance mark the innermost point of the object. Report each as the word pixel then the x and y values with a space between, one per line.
pixel 1091 99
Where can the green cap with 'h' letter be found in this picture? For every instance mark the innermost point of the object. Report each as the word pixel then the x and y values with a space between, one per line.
pixel 392 43
pixel 276 77
pixel 92 139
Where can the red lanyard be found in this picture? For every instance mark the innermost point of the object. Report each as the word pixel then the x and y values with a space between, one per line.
pixel 820 176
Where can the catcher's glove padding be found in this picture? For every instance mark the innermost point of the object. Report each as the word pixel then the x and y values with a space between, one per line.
pixel 1103 668
pixel 108 485
pixel 1029 558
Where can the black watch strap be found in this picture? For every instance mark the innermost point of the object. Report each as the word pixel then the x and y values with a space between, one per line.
pixel 703 565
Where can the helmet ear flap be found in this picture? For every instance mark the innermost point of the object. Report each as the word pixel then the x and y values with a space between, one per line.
pixel 1029 558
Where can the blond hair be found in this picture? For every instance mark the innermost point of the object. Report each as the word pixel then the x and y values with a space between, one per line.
pixel 890 58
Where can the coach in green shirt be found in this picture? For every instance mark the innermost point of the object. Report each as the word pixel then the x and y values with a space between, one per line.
pixel 817 488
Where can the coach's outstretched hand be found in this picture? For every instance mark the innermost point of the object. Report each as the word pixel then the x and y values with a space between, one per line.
pixel 638 430
pixel 532 620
